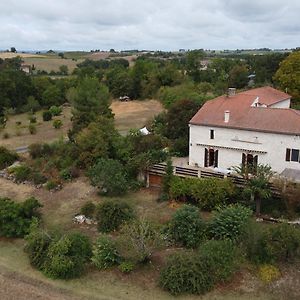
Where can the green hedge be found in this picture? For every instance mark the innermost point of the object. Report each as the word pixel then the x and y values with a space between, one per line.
pixel 207 193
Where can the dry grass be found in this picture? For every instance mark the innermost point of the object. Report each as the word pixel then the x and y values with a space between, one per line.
pixel 4 55
pixel 134 114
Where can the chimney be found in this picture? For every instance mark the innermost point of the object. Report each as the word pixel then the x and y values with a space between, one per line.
pixel 226 116
pixel 231 92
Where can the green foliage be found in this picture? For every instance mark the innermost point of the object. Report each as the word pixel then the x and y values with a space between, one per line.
pixel 16 218
pixel 47 116
pixel 111 214
pixel 207 193
pixel 280 243
pixel 167 180
pixel 138 240
pixel 88 209
pixel 186 226
pixel 22 173
pixel 55 110
pixel 109 176
pixel 126 267
pixel 7 157
pixel 67 255
pixel 238 76
pixel 105 253
pixel 32 129
pixel 32 119
pixel 186 273
pixel 51 185
pixel 221 256
pixel 37 243
pixel 287 76
pixel 40 150
pixel 57 124
pixel 230 222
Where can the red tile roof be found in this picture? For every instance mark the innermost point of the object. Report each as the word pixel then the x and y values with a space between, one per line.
pixel 245 117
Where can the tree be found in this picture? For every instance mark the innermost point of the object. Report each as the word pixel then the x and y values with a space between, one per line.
pixel 51 96
pixel 287 76
pixel 13 50
pixel 90 100
pixel 109 176
pixel 64 70
pixel 238 76
pixel 258 183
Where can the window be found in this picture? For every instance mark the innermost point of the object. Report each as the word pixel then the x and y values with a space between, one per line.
pixel 250 162
pixel 212 134
pixel 292 155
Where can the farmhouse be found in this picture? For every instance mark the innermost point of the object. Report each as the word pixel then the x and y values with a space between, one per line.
pixel 251 127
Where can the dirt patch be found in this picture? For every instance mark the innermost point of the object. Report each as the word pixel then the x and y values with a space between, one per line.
pixel 4 55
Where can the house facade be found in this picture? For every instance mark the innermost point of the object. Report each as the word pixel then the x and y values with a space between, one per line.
pixel 252 127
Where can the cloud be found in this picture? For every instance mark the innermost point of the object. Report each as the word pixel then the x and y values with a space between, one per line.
pixel 153 24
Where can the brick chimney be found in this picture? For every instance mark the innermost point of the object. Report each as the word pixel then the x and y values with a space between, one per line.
pixel 226 116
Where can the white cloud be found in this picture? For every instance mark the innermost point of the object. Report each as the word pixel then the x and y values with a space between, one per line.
pixel 156 24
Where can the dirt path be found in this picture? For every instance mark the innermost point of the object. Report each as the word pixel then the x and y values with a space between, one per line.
pixel 15 286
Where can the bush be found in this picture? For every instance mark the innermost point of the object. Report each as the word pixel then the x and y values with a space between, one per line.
pixel 40 150
pixel 105 253
pixel 22 173
pixel 32 119
pixel 47 116
pixel 38 178
pixel 207 193
pixel 138 240
pixel 280 243
pixel 221 256
pixel 51 185
pixel 37 243
pixel 57 124
pixel 268 273
pixel 66 256
pixel 187 227
pixel 55 110
pixel 109 176
pixel 230 222
pixel 126 266
pixel 111 214
pixel 6 135
pixel 88 209
pixel 32 129
pixel 16 218
pixel 185 273
pixel 7 158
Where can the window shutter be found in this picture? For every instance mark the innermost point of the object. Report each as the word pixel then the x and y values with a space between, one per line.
pixel 205 157
pixel 288 155
pixel 243 159
pixel 216 158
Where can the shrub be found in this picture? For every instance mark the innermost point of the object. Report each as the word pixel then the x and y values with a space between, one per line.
pixel 6 135
pixel 207 193
pixel 230 222
pixel 280 243
pixel 109 176
pixel 38 178
pixel 7 158
pixel 186 226
pixel 185 273
pixel 126 266
pixel 65 174
pixel 32 129
pixel 67 255
pixel 105 253
pixel 111 214
pixel 57 124
pixel 221 256
pixel 37 243
pixel 88 209
pixel 40 150
pixel 16 218
pixel 51 185
pixel 22 173
pixel 268 273
pixel 138 240
pixel 32 119
pixel 55 110
pixel 47 116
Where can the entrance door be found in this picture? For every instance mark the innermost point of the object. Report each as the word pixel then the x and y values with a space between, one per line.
pixel 211 157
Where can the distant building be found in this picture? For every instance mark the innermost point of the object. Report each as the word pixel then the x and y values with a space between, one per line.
pixel 251 127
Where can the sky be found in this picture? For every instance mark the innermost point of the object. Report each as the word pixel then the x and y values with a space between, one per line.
pixel 149 24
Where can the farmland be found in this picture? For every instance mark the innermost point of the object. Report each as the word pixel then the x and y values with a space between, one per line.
pixel 133 114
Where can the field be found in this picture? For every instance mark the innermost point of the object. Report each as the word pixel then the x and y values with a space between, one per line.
pixel 133 114
pixel 4 55
pixel 19 280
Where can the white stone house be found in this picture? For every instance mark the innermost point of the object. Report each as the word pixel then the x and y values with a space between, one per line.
pixel 251 127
